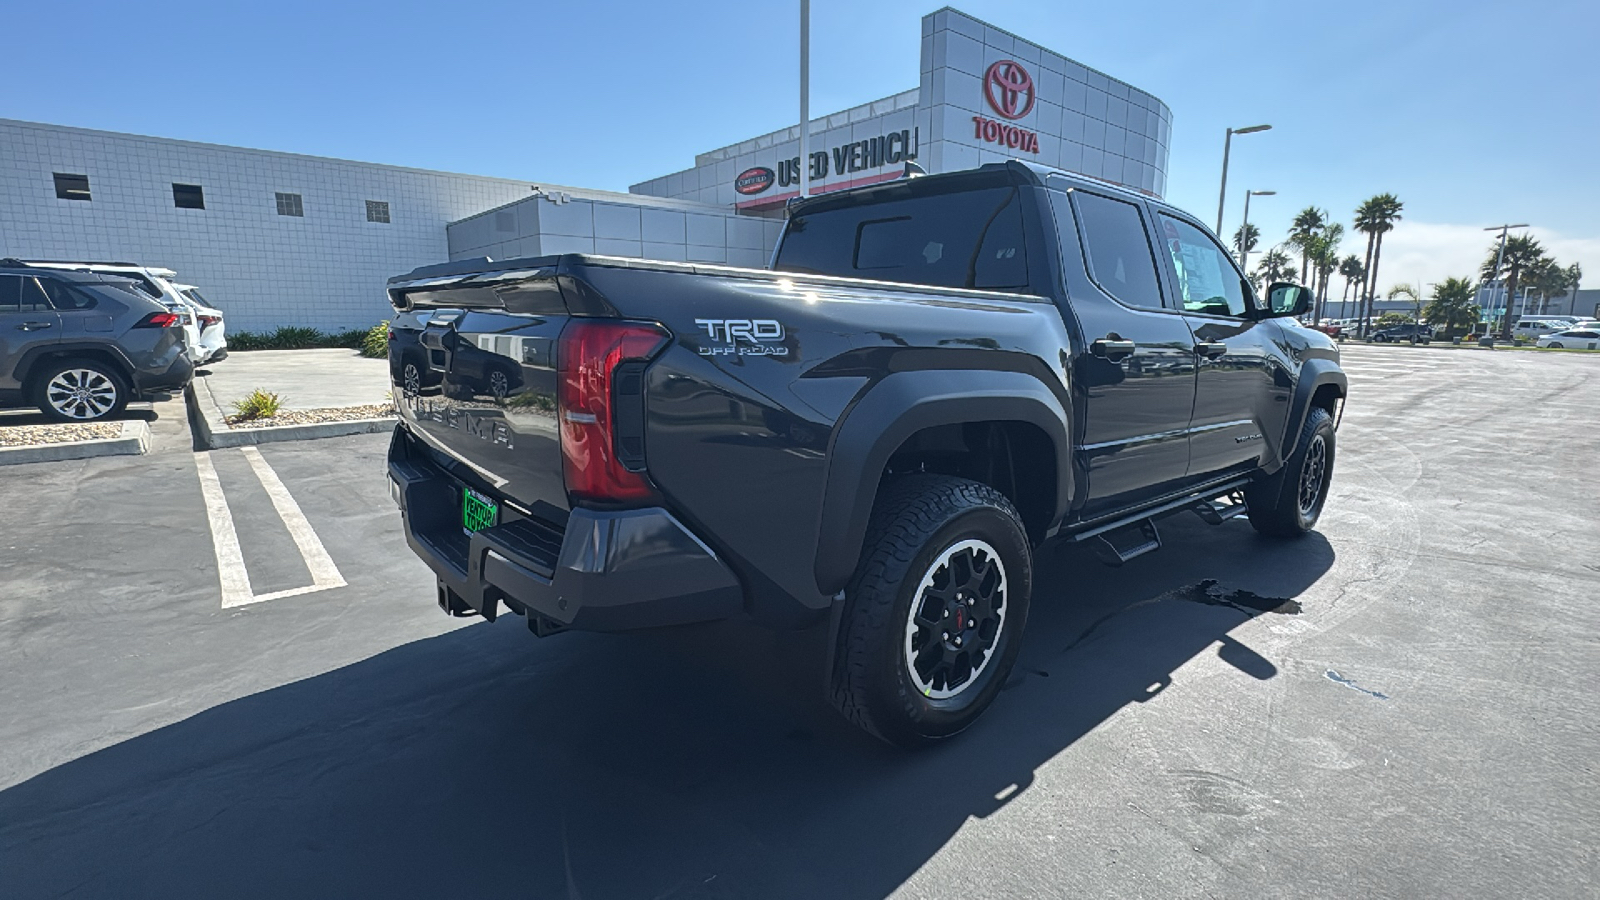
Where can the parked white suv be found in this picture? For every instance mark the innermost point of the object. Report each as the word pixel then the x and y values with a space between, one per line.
pixel 158 282
pixel 213 341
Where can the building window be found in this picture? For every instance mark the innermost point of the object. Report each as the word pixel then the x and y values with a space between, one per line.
pixel 72 187
pixel 378 211
pixel 188 196
pixel 289 205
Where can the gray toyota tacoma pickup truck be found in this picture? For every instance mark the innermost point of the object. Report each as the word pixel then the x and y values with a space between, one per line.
pixel 935 376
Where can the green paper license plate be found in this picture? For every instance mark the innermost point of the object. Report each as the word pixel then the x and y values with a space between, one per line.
pixel 477 511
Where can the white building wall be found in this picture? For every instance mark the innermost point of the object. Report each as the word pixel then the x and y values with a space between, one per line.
pixel 326 269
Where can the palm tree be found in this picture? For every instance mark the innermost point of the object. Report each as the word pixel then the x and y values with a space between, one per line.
pixel 1323 251
pixel 1574 276
pixel 1274 266
pixel 1410 293
pixel 1307 223
pixel 1246 239
pixel 1350 267
pixel 1522 254
pixel 1454 306
pixel 1375 218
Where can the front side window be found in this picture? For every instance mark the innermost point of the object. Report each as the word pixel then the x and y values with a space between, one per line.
pixel 1207 281
pixel 1120 259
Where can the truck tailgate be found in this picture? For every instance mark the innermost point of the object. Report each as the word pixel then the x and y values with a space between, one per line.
pixel 488 394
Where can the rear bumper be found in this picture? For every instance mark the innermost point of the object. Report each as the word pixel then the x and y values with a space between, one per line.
pixel 606 571
pixel 152 385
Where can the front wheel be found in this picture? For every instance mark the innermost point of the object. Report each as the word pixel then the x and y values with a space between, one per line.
pixel 933 617
pixel 1289 502
pixel 1555 345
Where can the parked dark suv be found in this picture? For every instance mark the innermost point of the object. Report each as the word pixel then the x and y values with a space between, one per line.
pixel 79 345
pixel 1416 334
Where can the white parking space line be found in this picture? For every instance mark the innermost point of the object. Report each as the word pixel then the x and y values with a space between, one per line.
pixel 236 590
pixel 230 560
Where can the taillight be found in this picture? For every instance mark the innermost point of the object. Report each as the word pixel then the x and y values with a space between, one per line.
pixel 208 321
pixel 588 356
pixel 159 320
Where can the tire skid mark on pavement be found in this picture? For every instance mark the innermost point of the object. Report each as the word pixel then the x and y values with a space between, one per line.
pixel 235 580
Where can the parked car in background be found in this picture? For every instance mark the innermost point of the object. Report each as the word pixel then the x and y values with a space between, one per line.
pixel 79 345
pixel 410 367
pixel 1331 327
pixel 1412 332
pixel 158 283
pixel 213 342
pixel 1539 326
pixel 1574 338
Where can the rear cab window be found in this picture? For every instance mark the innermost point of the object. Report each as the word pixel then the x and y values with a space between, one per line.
pixel 960 238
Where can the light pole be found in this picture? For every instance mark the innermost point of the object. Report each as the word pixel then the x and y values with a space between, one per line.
pixel 1499 257
pixel 1244 230
pixel 805 98
pixel 1227 146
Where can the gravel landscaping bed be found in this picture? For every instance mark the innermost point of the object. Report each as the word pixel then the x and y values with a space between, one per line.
pixel 34 435
pixel 315 416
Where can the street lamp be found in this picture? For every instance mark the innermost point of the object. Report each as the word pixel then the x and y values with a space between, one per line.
pixel 1244 230
pixel 1498 259
pixel 1227 145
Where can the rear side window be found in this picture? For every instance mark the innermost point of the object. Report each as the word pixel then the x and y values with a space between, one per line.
pixel 1118 248
pixel 65 296
pixel 20 293
pixel 966 239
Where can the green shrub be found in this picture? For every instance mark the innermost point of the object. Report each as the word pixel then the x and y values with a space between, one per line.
pixel 372 342
pixel 258 404
pixel 375 345
pixel 349 339
pixel 241 341
pixel 296 337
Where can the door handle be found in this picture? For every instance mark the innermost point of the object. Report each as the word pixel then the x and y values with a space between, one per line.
pixel 31 326
pixel 1211 350
pixel 1113 350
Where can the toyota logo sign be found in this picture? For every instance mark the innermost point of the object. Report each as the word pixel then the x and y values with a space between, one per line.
pixel 1009 89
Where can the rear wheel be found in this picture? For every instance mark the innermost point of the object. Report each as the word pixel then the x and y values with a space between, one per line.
pixel 1289 502
pixel 411 376
pixel 80 390
pixel 933 618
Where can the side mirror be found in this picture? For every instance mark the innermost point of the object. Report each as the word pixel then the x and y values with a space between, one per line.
pixel 1286 299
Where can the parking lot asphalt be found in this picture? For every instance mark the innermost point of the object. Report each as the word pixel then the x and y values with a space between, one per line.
pixel 1403 704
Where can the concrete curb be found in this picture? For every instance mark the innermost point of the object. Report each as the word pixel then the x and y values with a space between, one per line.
pixel 214 433
pixel 133 441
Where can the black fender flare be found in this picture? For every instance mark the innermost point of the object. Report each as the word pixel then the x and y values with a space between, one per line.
pixel 899 406
pixel 1313 374
pixel 32 356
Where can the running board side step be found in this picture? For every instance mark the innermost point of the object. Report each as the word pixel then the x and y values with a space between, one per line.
pixel 1215 512
pixel 1112 555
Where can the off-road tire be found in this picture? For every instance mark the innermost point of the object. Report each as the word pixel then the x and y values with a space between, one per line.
pixel 916 521
pixel 1275 502
pixel 104 377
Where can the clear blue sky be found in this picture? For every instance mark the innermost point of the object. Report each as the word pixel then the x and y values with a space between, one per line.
pixel 1473 112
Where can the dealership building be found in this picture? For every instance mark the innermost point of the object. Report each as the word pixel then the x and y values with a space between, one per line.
pixel 281 238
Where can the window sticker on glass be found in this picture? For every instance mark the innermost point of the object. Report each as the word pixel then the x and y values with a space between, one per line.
pixel 1207 282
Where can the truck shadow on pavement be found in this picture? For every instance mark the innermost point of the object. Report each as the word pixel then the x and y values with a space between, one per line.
pixel 698 762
